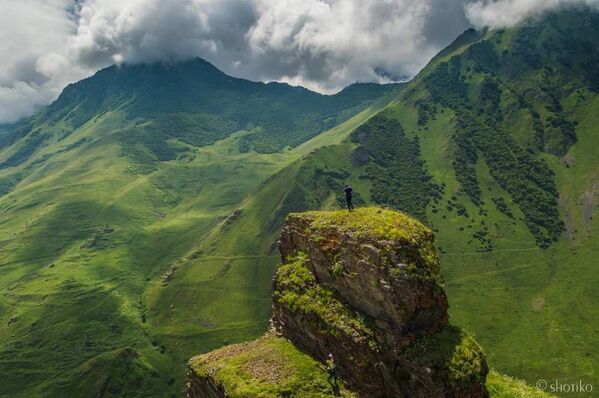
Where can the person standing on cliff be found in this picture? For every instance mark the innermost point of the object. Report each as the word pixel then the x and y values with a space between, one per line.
pixel 348 193
pixel 332 369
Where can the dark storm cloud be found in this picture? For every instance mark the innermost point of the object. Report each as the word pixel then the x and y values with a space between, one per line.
pixel 446 20
pixel 321 44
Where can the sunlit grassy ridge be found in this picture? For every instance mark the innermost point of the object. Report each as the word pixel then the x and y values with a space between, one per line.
pixel 108 282
pixel 370 221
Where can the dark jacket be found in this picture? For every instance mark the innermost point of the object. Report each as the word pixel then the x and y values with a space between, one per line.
pixel 347 191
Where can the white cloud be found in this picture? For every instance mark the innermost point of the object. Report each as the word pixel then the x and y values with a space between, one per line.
pixel 141 30
pixel 321 44
pixel 32 42
pixel 506 13
pixel 326 45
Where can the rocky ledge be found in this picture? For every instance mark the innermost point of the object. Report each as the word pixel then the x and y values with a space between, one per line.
pixel 268 367
pixel 366 287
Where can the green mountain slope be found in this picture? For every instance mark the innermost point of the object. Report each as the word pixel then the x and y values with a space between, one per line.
pixel 196 104
pixel 495 146
pixel 138 220
pixel 109 190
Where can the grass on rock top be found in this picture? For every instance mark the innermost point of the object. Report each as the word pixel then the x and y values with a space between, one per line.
pixel 373 221
pixel 267 367
pixel 387 229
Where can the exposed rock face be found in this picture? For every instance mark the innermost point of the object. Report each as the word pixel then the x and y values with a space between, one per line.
pixel 366 287
pixel 203 386
pixel 393 278
pixel 378 267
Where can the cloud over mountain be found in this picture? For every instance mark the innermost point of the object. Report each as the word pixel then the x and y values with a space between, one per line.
pixel 321 44
pixel 506 13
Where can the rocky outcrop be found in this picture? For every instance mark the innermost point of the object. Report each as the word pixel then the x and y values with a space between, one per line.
pixel 366 287
pixel 267 367
pixel 202 385
pixel 381 263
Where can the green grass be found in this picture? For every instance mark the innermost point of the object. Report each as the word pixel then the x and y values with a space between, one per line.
pixel 122 372
pixel 72 291
pixel 206 222
pixel 501 386
pixel 100 252
pixel 267 367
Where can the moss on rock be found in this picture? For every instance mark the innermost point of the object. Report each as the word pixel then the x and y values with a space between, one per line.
pixel 392 232
pixel 457 357
pixel 296 288
pixel 374 222
pixel 265 368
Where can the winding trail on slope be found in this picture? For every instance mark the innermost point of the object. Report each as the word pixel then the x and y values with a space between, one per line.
pixel 527 249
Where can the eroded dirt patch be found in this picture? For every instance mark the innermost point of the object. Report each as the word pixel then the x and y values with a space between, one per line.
pixel 568 160
pixel 538 303
pixel 588 204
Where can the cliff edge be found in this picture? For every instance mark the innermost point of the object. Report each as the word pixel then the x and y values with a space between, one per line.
pixel 365 286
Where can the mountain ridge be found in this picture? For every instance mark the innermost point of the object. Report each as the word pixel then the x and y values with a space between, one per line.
pixel 95 222
pixel 111 239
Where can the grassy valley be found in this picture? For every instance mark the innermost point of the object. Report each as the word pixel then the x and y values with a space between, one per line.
pixel 138 228
pixel 105 288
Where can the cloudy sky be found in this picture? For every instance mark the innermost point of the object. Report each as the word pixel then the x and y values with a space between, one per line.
pixel 320 44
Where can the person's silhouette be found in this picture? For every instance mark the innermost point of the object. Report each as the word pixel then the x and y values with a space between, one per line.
pixel 332 369
pixel 348 194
